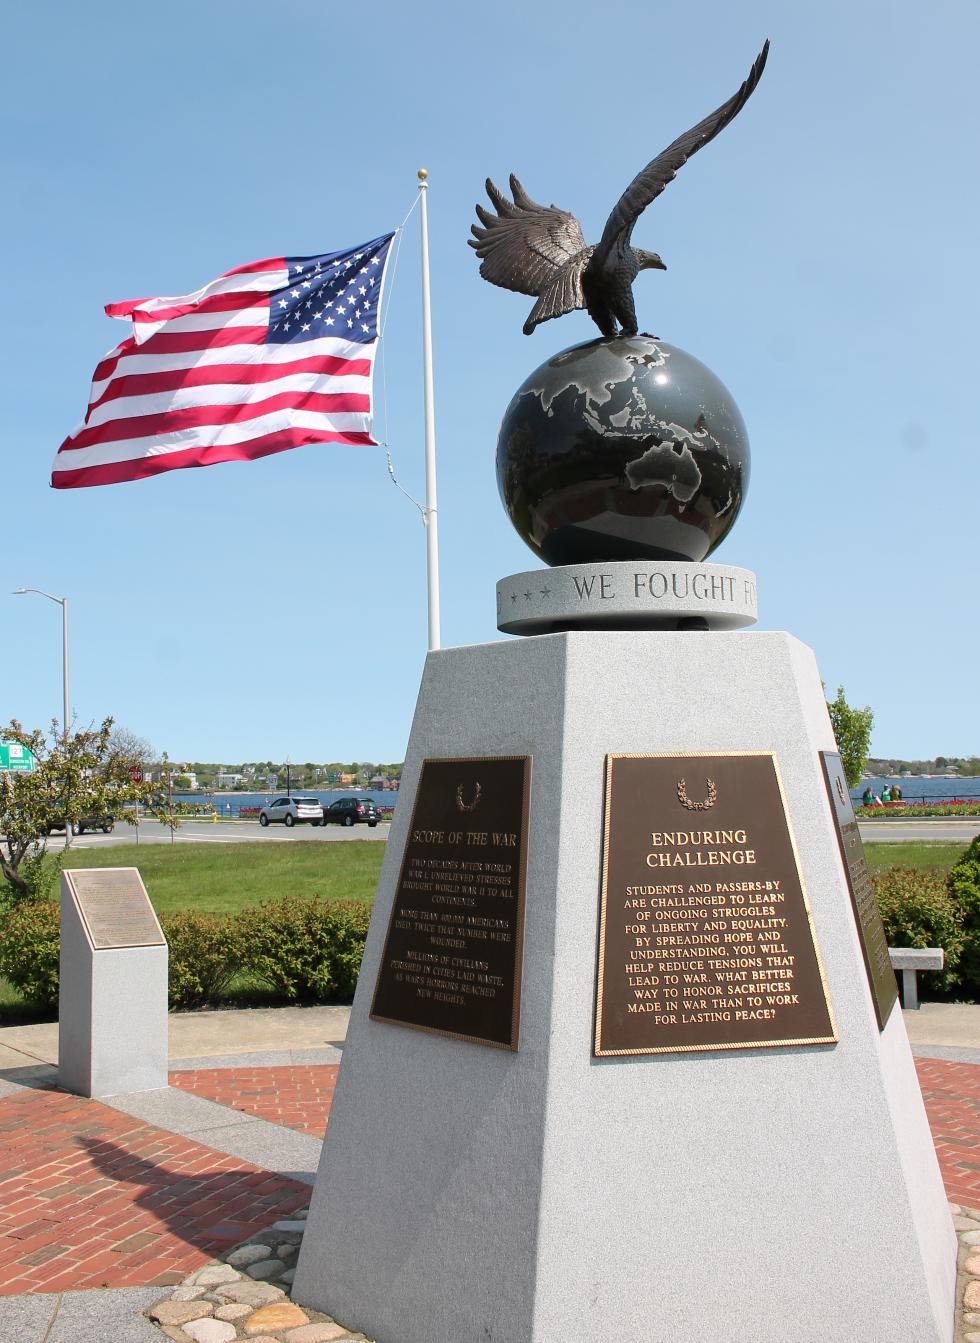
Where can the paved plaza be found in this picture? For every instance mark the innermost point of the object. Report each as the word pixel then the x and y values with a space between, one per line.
pixel 104 1205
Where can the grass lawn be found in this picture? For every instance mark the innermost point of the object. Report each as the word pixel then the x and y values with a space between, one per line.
pixel 223 878
pixel 922 854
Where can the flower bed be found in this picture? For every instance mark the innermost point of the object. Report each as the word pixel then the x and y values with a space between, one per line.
pixel 960 806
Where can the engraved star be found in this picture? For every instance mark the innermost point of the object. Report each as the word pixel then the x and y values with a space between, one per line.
pixel 527 596
pixel 513 596
pixel 545 592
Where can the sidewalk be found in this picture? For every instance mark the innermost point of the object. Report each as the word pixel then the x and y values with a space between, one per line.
pixel 104 1204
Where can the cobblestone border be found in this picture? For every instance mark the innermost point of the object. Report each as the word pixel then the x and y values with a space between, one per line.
pixel 245 1295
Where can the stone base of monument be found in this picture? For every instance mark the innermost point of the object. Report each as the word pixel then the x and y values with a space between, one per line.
pixel 112 1003
pixel 771 1174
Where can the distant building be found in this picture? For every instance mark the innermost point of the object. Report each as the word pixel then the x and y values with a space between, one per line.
pixel 227 780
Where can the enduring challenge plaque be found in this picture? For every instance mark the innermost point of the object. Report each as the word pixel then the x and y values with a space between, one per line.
pixel 705 934
pixel 115 907
pixel 452 957
pixel 871 930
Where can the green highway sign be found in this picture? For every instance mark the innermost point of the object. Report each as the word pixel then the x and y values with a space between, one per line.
pixel 16 759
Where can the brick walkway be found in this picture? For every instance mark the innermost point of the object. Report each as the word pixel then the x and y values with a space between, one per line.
pixel 90 1197
pixel 297 1097
pixel 951 1092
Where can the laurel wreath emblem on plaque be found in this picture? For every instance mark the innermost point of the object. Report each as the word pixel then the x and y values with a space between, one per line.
pixel 468 806
pixel 685 801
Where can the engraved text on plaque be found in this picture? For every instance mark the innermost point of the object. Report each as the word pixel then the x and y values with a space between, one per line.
pixel 115 907
pixel 452 957
pixel 871 930
pixel 705 938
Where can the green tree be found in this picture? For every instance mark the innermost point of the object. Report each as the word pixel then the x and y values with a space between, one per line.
pixel 83 775
pixel 852 730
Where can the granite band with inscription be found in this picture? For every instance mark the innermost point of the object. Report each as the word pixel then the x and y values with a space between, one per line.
pixel 635 594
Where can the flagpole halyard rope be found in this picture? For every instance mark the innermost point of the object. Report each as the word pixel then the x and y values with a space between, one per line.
pixel 384 367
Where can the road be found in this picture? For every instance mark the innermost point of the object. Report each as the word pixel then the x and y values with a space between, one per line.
pixel 223 832
pixel 950 830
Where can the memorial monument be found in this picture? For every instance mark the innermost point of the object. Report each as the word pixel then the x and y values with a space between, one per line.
pixel 625 1059
pixel 112 1002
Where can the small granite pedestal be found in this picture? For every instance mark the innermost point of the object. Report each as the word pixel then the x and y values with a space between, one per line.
pixel 474 1193
pixel 112 1005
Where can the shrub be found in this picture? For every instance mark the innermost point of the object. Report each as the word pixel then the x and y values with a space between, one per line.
pixel 307 949
pixel 918 911
pixel 39 871
pixel 964 890
pixel 30 940
pixel 205 954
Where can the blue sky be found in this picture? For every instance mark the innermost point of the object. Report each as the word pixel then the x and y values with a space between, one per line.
pixel 822 261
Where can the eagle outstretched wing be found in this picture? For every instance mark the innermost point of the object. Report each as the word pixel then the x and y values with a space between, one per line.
pixel 648 184
pixel 532 249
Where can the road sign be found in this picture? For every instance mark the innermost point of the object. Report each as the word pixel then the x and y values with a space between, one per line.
pixel 16 759
pixel 135 774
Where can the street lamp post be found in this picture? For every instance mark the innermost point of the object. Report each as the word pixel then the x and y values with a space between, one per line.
pixel 63 603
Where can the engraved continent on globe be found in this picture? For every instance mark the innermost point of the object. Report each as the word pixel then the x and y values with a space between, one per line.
pixel 622 448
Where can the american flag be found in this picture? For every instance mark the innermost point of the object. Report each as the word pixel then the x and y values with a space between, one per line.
pixel 269 356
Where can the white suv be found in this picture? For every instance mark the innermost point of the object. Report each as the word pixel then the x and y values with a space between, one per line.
pixel 292 811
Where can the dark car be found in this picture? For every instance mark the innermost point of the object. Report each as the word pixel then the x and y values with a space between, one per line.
pixel 351 810
pixel 103 823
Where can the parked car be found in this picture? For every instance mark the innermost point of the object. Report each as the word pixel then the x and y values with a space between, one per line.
pixel 292 811
pixel 103 823
pixel 350 810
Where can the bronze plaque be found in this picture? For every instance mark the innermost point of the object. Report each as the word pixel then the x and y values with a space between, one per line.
pixel 115 907
pixel 871 930
pixel 705 934
pixel 452 958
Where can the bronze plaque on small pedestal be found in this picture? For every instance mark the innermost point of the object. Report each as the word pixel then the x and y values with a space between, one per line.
pixel 871 930
pixel 705 934
pixel 452 957
pixel 115 907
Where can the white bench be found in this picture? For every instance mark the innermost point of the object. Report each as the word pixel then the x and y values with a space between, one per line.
pixel 910 960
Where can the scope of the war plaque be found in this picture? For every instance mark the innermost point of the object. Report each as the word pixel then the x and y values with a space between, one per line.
pixel 452 958
pixel 706 940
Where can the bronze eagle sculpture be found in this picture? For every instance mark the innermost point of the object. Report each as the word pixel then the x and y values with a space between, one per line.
pixel 541 250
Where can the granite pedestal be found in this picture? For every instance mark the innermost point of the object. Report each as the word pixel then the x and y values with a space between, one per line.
pixel 468 1193
pixel 112 1003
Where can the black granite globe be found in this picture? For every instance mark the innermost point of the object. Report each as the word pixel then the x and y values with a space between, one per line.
pixel 622 448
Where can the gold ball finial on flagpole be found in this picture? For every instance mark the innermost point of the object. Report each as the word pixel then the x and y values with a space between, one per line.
pixel 423 174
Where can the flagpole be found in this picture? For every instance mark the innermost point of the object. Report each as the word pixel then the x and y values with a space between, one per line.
pixel 430 515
